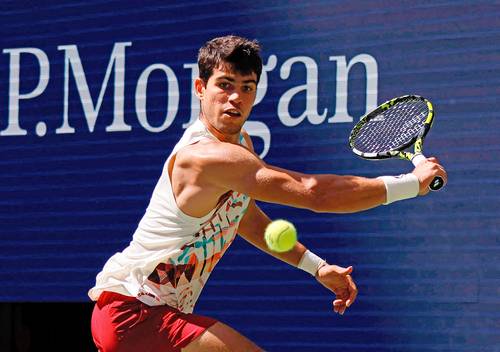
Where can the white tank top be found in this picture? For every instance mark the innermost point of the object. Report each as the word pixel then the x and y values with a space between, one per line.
pixel 172 254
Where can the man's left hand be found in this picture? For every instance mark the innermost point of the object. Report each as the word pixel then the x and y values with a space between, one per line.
pixel 338 280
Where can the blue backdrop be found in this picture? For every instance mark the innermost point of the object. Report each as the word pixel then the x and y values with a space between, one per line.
pixel 94 94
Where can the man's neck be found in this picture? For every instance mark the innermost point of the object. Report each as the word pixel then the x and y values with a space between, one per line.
pixel 223 137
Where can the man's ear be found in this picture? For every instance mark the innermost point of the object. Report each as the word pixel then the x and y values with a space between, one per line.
pixel 199 87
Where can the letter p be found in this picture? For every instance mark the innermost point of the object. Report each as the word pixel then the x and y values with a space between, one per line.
pixel 13 129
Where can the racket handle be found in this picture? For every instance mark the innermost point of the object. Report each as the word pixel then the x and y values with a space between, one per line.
pixel 437 182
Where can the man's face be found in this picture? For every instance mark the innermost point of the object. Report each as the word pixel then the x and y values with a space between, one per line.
pixel 227 99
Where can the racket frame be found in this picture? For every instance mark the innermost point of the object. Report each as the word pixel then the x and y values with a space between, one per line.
pixel 417 140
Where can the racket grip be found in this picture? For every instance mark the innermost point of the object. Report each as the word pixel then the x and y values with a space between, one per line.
pixel 437 182
pixel 417 159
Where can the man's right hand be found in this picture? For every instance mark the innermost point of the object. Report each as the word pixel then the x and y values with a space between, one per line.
pixel 426 171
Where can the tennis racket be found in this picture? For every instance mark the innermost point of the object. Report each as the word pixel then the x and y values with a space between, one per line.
pixel 391 128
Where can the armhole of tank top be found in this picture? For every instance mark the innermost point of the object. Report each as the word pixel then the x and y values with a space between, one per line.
pixel 169 168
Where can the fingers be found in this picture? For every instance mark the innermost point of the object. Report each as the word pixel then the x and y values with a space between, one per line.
pixel 345 271
pixel 339 306
pixel 353 291
pixel 427 171
pixel 442 172
pixel 438 171
pixel 338 279
pixel 438 168
pixel 347 297
pixel 351 286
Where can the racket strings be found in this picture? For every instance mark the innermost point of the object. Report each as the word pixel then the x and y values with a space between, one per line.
pixel 393 128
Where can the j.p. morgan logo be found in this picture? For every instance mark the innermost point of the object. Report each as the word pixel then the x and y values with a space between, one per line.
pixel 114 80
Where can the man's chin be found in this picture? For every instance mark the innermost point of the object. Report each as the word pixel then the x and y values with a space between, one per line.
pixel 232 124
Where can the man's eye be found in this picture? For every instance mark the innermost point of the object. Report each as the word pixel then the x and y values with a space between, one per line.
pixel 248 89
pixel 224 85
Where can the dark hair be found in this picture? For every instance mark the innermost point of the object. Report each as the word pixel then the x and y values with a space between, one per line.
pixel 242 55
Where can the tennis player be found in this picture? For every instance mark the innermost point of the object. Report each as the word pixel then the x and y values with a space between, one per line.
pixel 145 295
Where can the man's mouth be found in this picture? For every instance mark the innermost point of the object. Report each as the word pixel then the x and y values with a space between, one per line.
pixel 233 113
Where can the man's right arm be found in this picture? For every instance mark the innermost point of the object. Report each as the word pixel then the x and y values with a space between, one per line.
pixel 233 167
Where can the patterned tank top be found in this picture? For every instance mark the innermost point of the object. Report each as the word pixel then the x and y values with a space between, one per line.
pixel 172 254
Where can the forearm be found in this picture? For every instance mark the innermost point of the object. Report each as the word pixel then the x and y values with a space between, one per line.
pixel 330 193
pixel 344 194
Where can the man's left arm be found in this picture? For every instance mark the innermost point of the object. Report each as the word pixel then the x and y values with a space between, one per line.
pixel 333 277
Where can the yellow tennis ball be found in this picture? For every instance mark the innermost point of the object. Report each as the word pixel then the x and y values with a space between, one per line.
pixel 280 236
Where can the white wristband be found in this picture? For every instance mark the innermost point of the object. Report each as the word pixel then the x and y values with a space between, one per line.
pixel 310 262
pixel 400 187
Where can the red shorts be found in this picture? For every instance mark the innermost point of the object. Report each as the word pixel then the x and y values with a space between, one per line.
pixel 125 324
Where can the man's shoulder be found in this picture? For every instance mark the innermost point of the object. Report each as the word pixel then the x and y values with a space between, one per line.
pixel 209 152
pixel 204 150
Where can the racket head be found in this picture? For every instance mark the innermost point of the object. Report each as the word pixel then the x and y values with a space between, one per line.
pixel 393 127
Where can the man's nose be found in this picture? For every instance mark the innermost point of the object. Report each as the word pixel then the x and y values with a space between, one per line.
pixel 235 97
